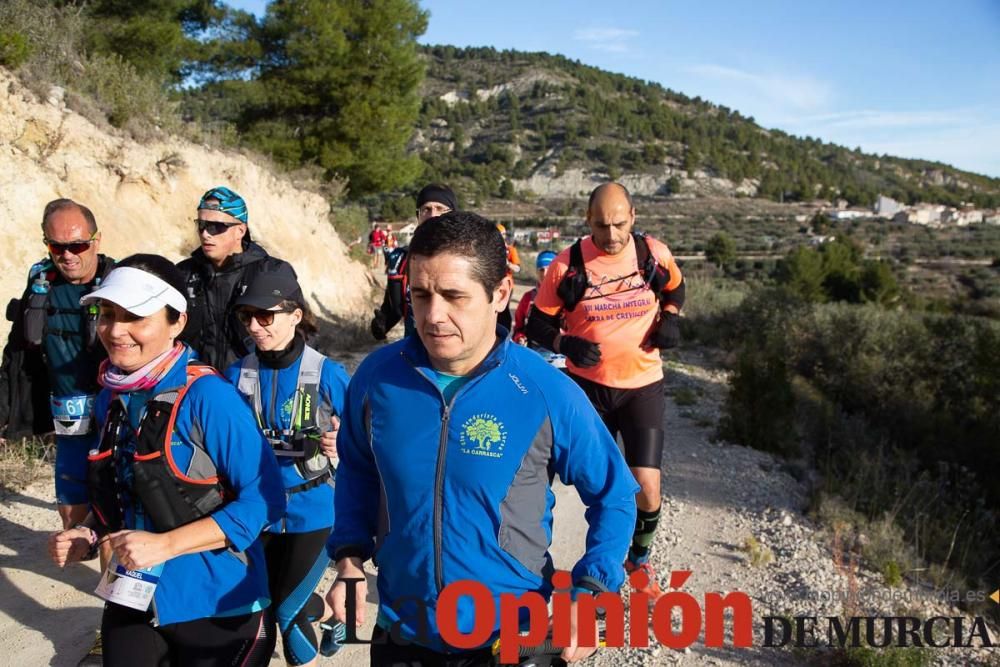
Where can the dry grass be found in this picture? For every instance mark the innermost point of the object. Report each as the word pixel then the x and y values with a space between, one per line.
pixel 24 461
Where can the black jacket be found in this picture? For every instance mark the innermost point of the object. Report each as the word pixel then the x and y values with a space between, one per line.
pixel 212 330
pixel 24 373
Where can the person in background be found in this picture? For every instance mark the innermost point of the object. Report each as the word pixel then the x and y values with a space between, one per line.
pixel 432 200
pixel 181 484
pixel 295 393
pixel 217 272
pixel 610 303
pixel 376 243
pixel 49 371
pixel 48 378
pixel 542 262
pixel 513 266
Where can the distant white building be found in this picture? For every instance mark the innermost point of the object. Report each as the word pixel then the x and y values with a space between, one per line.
pixel 404 234
pixel 925 214
pixel 886 207
pixel 849 214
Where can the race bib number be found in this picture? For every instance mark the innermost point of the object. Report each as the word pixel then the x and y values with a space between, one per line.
pixel 130 588
pixel 71 415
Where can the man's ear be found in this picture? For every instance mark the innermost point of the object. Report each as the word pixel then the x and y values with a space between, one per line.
pixel 502 294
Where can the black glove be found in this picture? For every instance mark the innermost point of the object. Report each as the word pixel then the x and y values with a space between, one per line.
pixel 580 351
pixel 378 325
pixel 668 333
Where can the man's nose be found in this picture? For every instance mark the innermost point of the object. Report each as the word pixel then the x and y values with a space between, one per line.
pixel 436 309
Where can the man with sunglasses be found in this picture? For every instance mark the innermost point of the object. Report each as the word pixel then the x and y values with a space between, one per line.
pixel 217 273
pixel 49 370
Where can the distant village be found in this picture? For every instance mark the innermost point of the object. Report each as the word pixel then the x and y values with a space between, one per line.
pixel 930 215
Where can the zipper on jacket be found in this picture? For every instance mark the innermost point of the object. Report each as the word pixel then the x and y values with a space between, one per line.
pixel 438 502
pixel 439 471
pixel 274 421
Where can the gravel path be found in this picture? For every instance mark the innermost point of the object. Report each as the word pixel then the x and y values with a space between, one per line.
pixel 716 496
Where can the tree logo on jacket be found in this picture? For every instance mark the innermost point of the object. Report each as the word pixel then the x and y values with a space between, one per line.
pixel 483 435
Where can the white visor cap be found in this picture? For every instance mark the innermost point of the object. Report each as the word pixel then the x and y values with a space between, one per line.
pixel 137 291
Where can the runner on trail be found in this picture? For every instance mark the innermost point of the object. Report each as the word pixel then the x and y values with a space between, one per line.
pixel 448 444
pixel 217 272
pixel 295 392
pixel 432 200
pixel 181 484
pixel 617 295
pixel 542 262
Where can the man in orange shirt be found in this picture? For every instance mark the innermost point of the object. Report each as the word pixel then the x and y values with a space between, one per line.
pixel 617 295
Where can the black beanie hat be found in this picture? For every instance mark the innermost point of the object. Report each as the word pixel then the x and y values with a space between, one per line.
pixel 441 194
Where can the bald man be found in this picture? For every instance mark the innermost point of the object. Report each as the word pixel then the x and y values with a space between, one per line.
pixel 617 294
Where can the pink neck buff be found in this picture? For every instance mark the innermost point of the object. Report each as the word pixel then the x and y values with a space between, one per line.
pixel 141 379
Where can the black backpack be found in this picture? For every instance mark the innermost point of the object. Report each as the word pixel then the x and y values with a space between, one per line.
pixel 574 283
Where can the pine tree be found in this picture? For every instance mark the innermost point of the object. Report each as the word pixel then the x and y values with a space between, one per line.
pixel 341 82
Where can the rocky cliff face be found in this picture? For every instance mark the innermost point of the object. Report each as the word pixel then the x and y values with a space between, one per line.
pixel 144 198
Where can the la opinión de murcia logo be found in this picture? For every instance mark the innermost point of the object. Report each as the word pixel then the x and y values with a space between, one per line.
pixel 705 619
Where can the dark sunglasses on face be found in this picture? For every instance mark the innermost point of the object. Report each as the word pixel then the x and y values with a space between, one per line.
pixel 265 318
pixel 212 227
pixel 75 247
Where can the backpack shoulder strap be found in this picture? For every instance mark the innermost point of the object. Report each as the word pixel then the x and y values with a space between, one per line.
pixel 576 256
pixel 306 408
pixel 249 382
pixel 574 282
pixel 201 465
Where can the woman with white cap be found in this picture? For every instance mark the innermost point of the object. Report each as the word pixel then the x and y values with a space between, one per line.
pixel 181 484
pixel 296 394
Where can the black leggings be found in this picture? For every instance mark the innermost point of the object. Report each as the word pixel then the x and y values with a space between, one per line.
pixel 295 565
pixel 129 640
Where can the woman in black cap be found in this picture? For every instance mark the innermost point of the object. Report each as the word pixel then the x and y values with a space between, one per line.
pixel 296 394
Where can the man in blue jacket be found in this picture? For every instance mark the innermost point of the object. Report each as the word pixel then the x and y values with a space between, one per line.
pixel 448 443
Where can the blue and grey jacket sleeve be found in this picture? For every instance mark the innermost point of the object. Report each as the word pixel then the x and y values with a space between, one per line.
pixel 356 495
pixel 586 457
pixel 242 456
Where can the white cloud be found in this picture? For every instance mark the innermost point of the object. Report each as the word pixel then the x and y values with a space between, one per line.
pixel 872 119
pixel 771 91
pixel 961 137
pixel 612 40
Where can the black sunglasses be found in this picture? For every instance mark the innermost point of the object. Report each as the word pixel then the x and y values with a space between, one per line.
pixel 212 227
pixel 265 318
pixel 75 247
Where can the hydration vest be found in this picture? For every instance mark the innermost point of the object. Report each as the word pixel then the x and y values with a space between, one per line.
pixel 37 309
pixel 574 283
pixel 301 441
pixel 169 496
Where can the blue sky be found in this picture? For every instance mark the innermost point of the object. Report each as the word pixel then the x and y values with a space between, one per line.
pixel 914 79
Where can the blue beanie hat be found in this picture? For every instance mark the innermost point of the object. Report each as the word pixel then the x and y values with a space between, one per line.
pixel 229 202
pixel 544 258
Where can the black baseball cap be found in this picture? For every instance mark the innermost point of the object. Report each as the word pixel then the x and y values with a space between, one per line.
pixel 269 288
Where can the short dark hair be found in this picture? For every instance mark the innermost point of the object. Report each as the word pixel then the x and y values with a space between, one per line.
pixel 57 205
pixel 467 235
pixel 309 324
pixel 162 268
pixel 603 186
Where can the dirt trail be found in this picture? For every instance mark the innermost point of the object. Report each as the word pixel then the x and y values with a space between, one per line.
pixel 715 497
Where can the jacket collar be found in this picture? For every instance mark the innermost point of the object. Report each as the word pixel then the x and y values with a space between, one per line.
pixel 251 253
pixel 416 353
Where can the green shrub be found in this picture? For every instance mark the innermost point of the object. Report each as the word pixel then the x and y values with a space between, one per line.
pixel 897 411
pixel 14 49
pixel 124 94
